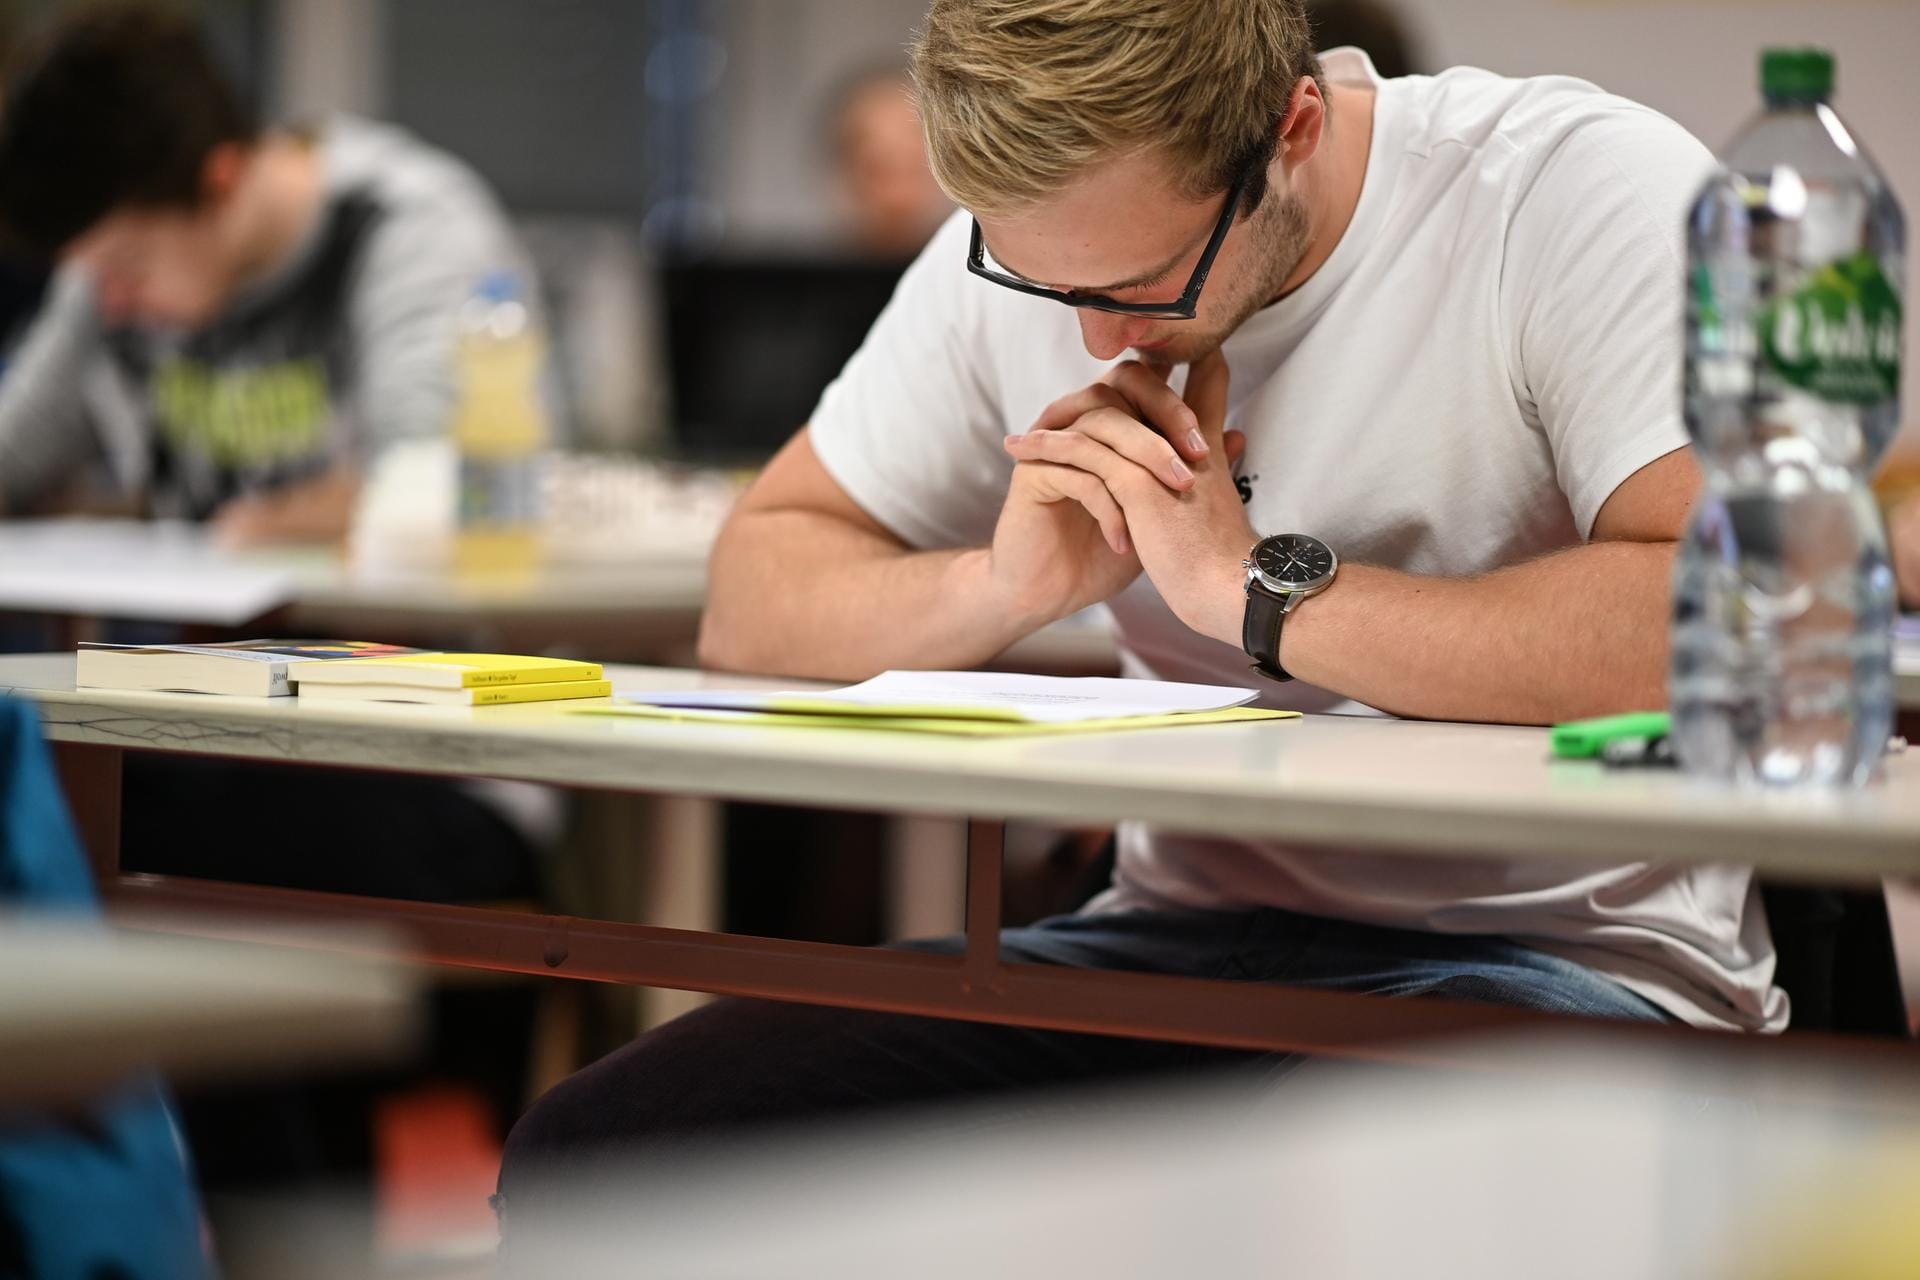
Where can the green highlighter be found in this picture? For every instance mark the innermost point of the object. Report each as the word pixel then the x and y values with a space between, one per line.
pixel 1588 739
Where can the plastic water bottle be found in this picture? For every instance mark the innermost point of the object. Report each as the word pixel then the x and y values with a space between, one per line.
pixel 500 431
pixel 1784 598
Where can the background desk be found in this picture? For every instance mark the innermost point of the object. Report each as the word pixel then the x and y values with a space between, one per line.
pixel 1435 790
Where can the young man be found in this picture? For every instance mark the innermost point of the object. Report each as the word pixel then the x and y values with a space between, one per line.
pixel 1430 325
pixel 243 317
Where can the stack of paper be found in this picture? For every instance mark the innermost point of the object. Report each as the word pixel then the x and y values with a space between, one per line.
pixel 135 569
pixel 970 703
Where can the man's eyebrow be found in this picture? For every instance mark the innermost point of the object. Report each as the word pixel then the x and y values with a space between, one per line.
pixel 1135 281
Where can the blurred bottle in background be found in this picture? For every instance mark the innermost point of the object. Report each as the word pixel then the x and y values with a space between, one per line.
pixel 1784 601
pixel 501 432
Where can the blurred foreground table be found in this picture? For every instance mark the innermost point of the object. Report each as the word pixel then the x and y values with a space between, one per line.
pixel 84 1005
pixel 1578 1161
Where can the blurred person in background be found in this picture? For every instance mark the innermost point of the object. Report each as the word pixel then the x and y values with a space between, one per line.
pixel 893 205
pixel 242 315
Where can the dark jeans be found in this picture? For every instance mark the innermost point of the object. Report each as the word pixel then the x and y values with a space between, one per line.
pixel 739 1064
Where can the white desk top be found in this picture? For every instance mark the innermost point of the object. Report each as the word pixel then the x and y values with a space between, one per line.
pixel 1438 788
pixel 81 1007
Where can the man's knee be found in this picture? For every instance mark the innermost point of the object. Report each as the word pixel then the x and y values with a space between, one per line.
pixel 678 1077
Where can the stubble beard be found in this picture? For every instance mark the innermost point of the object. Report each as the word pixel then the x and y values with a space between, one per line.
pixel 1283 232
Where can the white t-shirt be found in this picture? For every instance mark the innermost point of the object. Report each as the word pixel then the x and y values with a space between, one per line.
pixel 1491 349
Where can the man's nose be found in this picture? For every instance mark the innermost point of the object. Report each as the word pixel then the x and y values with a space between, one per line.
pixel 1107 335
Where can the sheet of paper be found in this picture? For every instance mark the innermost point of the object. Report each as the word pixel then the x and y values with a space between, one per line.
pixel 947 726
pixel 973 695
pixel 133 569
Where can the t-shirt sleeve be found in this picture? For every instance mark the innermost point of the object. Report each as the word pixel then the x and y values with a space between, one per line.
pixel 45 432
pixel 1592 291
pixel 911 428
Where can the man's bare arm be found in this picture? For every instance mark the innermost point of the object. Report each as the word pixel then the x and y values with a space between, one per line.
pixel 1578 633
pixel 803 582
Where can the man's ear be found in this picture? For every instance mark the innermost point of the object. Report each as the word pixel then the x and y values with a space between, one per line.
pixel 1304 125
pixel 220 173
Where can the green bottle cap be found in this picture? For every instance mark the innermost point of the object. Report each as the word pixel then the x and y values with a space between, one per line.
pixel 1796 75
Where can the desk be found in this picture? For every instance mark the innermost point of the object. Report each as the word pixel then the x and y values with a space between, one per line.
pixel 82 1006
pixel 1432 789
pixel 1684 1162
pixel 641 606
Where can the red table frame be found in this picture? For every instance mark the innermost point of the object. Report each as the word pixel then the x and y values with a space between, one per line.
pixel 977 986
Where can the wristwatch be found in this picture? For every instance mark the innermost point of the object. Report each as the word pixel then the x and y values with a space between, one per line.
pixel 1281 572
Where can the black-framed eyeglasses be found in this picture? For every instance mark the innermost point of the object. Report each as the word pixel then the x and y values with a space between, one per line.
pixel 1183 308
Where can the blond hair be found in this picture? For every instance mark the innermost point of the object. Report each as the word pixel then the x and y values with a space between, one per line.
pixel 1020 97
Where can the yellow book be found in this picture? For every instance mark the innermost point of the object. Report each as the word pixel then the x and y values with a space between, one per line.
pixel 486 696
pixel 449 671
pixel 953 726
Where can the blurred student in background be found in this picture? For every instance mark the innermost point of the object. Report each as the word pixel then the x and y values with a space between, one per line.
pixel 893 206
pixel 242 315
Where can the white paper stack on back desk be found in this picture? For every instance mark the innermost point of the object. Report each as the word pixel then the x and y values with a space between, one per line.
pixel 137 569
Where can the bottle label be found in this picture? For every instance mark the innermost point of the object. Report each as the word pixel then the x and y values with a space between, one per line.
pixel 1838 335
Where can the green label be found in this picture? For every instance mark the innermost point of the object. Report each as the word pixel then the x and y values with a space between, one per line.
pixel 1838 336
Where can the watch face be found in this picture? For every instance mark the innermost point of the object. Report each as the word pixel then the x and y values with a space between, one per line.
pixel 1292 561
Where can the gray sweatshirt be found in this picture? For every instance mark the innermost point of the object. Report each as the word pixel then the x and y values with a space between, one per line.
pixel 347 346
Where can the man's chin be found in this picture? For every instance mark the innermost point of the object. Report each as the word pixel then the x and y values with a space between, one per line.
pixel 1177 352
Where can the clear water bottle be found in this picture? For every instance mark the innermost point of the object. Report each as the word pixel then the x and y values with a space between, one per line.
pixel 500 431
pixel 1784 598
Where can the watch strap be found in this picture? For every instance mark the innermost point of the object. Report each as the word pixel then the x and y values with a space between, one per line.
pixel 1260 632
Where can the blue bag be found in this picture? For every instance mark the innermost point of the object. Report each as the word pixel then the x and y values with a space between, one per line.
pixel 104 1190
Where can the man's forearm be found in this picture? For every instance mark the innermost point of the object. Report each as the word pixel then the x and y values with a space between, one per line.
pixel 1582 632
pixel 797 593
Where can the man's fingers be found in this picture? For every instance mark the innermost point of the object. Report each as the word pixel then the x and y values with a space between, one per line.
pixel 1110 444
pixel 1236 442
pixel 1207 394
pixel 1159 405
pixel 1056 483
pixel 1137 389
pixel 1069 409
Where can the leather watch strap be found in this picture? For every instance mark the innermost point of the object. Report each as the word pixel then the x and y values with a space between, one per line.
pixel 1260 632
